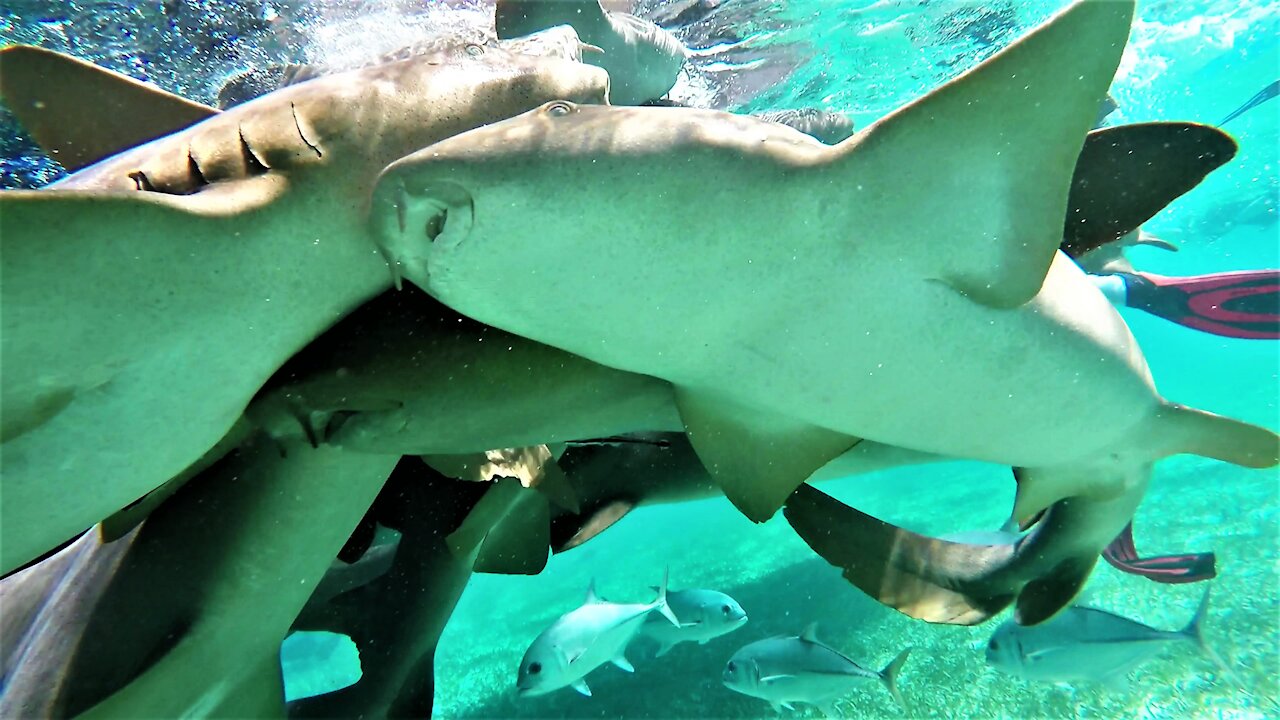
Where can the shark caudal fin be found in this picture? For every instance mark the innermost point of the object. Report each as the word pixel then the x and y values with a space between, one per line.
pixel 923 577
pixel 1182 429
pixel 963 583
pixel 993 151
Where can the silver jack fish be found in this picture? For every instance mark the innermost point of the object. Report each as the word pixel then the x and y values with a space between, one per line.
pixel 704 615
pixel 787 669
pixel 1087 644
pixel 582 640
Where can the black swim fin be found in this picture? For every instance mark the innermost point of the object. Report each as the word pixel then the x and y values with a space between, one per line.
pixel 1242 304
pixel 1128 173
pixel 1263 95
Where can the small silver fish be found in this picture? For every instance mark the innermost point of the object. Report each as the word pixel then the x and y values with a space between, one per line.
pixel 1087 644
pixel 582 640
pixel 704 615
pixel 787 669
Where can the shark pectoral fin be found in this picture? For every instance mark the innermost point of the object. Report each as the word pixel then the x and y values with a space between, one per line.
pixel 925 578
pixel 581 686
pixel 118 524
pixel 228 198
pixel 597 521
pixel 993 151
pixel 517 544
pixel 126 519
pixel 756 458
pixel 88 218
pixel 555 486
pixel 1039 488
pixel 488 512
pixel 1045 596
pixel 80 113
pixel 1128 173
pixel 623 663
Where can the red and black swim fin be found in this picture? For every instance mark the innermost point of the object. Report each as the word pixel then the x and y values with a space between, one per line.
pixel 1242 304
pixel 1166 569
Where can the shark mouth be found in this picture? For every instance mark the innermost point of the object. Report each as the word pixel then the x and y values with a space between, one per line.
pixel 443 212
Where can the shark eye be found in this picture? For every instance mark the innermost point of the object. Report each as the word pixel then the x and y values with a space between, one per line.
pixel 475 50
pixel 535 668
pixel 559 109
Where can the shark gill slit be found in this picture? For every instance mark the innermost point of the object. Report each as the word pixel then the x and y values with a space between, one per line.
pixel 252 162
pixel 141 182
pixel 193 169
pixel 298 125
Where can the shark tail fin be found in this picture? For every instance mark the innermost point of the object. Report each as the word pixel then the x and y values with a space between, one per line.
pixel 922 577
pixel 660 604
pixel 889 676
pixel 1187 430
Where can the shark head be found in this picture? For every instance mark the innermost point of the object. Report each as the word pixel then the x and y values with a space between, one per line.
pixel 560 205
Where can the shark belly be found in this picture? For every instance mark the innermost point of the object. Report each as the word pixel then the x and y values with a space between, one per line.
pixel 1055 380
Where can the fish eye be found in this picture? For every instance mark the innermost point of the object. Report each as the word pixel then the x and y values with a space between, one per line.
pixel 535 668
pixel 475 50
pixel 733 667
pixel 994 644
pixel 726 609
pixel 559 109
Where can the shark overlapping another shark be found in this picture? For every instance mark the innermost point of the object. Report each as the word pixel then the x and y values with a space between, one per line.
pixel 182 273
pixel 904 286
pixel 765 319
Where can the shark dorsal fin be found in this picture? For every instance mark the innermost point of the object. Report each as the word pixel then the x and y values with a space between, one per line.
pixel 810 633
pixel 80 113
pixel 1015 125
pixel 592 598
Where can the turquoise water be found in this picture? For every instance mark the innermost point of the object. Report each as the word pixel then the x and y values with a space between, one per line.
pixel 1187 61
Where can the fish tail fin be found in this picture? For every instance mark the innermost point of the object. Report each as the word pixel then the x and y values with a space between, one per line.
pixel 1194 631
pixel 660 604
pixel 889 676
pixel 1187 430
